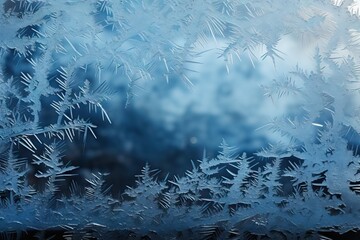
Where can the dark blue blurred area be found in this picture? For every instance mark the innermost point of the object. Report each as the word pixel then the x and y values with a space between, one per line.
pixel 167 124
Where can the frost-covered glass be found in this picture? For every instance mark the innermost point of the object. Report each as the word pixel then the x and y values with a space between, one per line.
pixel 248 110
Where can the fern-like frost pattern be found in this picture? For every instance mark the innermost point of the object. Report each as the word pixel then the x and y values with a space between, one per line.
pixel 65 62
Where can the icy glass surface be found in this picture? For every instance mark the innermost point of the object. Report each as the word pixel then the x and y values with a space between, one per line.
pixel 179 119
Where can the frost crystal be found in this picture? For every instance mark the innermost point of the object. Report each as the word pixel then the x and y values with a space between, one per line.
pixel 64 63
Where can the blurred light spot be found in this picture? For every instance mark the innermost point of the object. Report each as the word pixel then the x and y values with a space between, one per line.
pixel 193 140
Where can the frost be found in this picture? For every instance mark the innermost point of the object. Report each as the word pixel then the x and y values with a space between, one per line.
pixel 62 61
